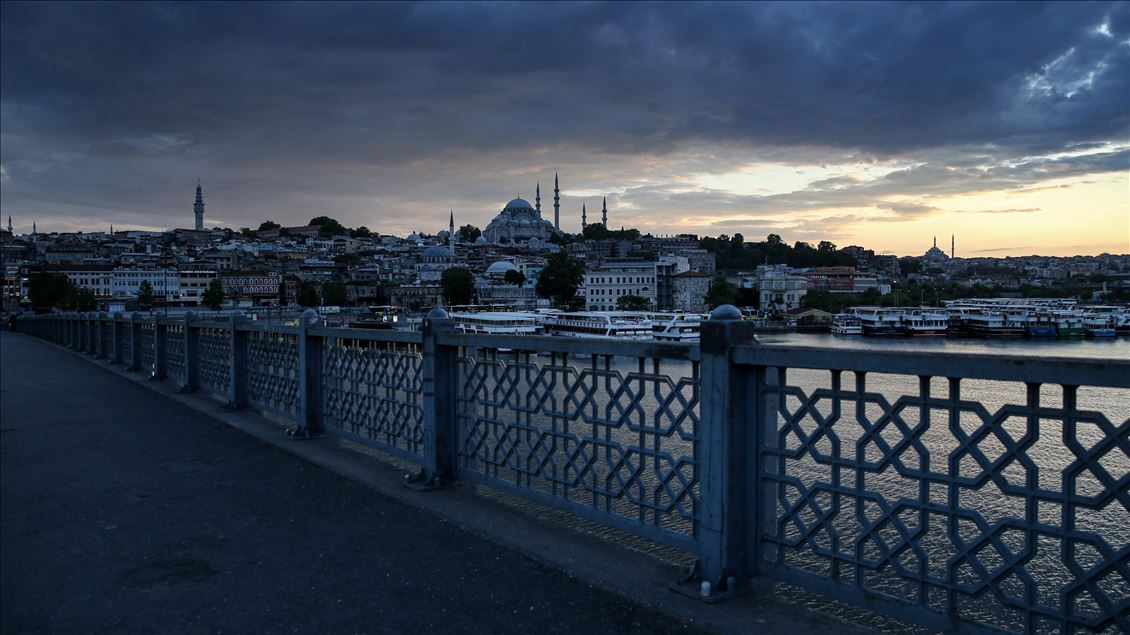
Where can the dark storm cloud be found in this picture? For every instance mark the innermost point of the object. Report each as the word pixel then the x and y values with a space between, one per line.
pixel 302 107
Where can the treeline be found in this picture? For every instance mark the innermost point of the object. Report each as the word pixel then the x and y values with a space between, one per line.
pixel 328 228
pixel 733 253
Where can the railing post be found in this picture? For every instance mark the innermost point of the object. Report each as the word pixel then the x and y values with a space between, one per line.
pixel 100 344
pixel 191 356
pixel 91 333
pixel 438 398
pixel 727 455
pixel 237 396
pixel 116 334
pixel 160 354
pixel 134 342
pixel 309 377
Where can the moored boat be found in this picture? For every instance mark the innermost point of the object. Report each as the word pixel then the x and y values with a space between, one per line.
pixel 920 323
pixel 846 324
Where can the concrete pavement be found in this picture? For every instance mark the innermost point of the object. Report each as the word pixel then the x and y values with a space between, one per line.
pixel 124 511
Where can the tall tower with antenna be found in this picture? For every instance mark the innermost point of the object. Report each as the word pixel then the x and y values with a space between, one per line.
pixel 198 207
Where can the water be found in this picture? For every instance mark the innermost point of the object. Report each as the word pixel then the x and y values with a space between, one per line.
pixel 1096 348
pixel 979 474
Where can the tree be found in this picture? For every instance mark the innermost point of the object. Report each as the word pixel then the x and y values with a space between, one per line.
pixel 826 247
pixel 145 294
pixel 774 239
pixel 214 294
pixel 458 285
pixel 560 277
pixel 246 232
pixel 361 232
pixel 515 277
pixel 722 291
pixel 268 225
pixel 329 226
pixel 51 290
pixel 632 303
pixel 308 296
pixel 468 233
pixel 84 300
pixel 333 293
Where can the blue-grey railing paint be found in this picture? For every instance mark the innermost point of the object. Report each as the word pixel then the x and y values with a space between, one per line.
pixel 567 427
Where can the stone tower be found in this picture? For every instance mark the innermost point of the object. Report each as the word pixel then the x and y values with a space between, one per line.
pixel 198 207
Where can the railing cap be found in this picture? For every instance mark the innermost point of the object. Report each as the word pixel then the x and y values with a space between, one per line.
pixel 726 312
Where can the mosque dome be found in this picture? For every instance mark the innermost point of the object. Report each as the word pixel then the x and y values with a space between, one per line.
pixel 500 268
pixel 518 204
pixel 436 252
pixel 481 240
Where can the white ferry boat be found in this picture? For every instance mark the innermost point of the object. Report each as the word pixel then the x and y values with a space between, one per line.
pixel 992 324
pixel 497 323
pixel 879 321
pixel 624 325
pixel 846 324
pixel 676 327
pixel 918 323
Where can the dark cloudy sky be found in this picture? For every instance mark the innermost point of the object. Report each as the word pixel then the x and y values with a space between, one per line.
pixel 876 124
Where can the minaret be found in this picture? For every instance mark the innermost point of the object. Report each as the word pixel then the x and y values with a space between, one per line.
pixel 33 232
pixel 604 213
pixel 584 217
pixel 935 242
pixel 537 198
pixel 556 204
pixel 10 224
pixel 451 232
pixel 952 243
pixel 198 207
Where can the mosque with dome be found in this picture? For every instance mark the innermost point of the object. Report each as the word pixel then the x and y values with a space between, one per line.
pixel 521 223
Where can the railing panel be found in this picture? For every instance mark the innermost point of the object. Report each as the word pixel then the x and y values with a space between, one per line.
pixel 272 372
pixel 215 359
pixel 174 351
pixel 127 341
pixel 107 336
pixel 999 504
pixel 372 391
pixel 148 343
pixel 613 439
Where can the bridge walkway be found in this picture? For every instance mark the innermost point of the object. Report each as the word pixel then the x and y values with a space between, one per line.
pixel 124 511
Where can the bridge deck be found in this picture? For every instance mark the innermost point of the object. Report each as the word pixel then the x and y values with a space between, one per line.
pixel 124 511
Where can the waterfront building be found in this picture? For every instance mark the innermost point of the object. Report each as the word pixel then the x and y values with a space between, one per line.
pixel 778 289
pixel 194 282
pixel 843 280
pixel 689 289
pixel 126 281
pixel 666 268
pixel 250 283
pixel 614 278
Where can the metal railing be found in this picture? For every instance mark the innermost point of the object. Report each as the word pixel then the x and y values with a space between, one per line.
pixel 961 492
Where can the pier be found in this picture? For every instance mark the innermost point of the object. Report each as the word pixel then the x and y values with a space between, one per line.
pixel 954 492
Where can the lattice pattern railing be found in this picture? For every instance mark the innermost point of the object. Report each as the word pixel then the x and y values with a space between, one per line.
pixel 958 492
pixel 995 503
pixel 175 358
pixel 126 335
pixel 147 343
pixel 611 439
pixel 106 330
pixel 372 390
pixel 272 372
pixel 214 359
